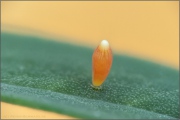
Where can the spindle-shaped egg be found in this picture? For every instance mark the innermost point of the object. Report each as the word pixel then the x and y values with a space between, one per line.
pixel 101 63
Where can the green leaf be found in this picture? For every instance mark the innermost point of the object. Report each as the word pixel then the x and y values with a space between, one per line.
pixel 56 76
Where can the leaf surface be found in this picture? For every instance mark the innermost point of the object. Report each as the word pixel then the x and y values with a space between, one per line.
pixel 56 76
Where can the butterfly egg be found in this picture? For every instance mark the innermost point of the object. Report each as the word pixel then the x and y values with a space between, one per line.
pixel 101 63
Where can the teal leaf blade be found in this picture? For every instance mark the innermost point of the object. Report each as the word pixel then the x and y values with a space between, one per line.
pixel 57 76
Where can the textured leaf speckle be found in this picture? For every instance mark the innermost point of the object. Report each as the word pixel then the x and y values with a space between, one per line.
pixel 56 76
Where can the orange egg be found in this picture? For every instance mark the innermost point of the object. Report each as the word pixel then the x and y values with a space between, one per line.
pixel 101 63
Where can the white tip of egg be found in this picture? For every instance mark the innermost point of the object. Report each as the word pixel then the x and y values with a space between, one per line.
pixel 104 44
